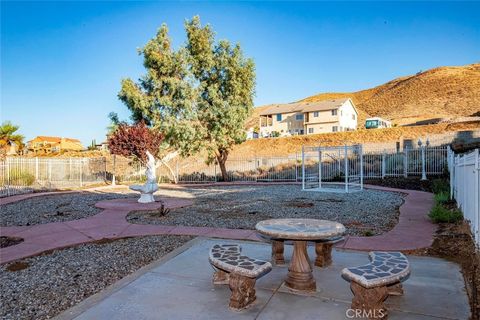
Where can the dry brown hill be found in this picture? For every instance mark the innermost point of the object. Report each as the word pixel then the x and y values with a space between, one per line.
pixel 442 92
pixel 290 145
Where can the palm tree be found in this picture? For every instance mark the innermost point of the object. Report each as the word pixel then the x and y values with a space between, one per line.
pixel 8 136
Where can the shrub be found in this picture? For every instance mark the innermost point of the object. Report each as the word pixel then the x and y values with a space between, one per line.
pixel 442 197
pixel 440 185
pixel 21 178
pixel 140 179
pixel 394 162
pixel 368 233
pixel 275 134
pixel 440 214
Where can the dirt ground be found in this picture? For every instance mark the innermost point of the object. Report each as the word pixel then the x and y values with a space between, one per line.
pixel 454 242
pixel 9 241
pixel 410 183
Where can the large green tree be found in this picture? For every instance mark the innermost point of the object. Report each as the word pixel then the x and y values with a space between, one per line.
pixel 199 95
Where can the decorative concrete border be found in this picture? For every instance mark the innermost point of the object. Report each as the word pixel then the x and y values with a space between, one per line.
pixel 413 231
pixel 108 224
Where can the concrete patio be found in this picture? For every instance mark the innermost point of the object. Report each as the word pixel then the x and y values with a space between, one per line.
pixel 179 286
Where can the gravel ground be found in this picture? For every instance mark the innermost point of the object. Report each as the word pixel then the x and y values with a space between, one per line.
pixel 43 286
pixel 369 212
pixel 55 208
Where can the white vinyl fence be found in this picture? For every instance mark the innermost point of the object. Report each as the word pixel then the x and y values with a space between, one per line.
pixel 259 169
pixel 382 163
pixel 465 187
pixel 20 175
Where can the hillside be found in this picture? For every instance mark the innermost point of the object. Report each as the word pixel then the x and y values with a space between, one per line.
pixel 443 92
pixel 440 92
pixel 291 145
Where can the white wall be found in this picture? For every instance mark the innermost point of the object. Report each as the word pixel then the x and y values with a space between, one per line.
pixel 346 112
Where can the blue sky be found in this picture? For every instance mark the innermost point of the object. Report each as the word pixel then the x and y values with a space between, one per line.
pixel 62 62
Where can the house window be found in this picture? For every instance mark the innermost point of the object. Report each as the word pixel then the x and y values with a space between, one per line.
pixel 334 112
pixel 334 129
pixel 315 114
pixel 299 116
pixel 301 131
pixel 310 130
pixel 353 117
pixel 279 117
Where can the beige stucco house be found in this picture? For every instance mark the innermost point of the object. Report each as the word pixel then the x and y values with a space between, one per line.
pixel 45 144
pixel 309 118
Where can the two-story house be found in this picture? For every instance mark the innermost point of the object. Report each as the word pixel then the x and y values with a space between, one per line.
pixel 44 144
pixel 309 118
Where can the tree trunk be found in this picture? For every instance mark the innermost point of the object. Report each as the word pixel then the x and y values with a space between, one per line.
pixel 164 161
pixel 174 176
pixel 222 159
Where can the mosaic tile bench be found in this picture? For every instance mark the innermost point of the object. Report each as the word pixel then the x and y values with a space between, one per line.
pixel 372 283
pixel 323 250
pixel 238 271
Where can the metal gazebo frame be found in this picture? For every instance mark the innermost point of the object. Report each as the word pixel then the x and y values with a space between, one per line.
pixel 332 169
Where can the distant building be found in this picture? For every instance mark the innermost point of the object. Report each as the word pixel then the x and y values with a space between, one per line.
pixel 102 146
pixel 10 149
pixel 45 144
pixel 251 134
pixel 376 122
pixel 309 118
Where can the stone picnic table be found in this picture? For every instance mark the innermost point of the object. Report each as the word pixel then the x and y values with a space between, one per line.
pixel 300 231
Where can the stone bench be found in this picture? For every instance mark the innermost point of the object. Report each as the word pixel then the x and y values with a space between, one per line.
pixel 238 271
pixel 323 251
pixel 372 283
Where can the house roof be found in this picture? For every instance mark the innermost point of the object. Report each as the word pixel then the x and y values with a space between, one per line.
pixel 305 106
pixel 282 108
pixel 54 139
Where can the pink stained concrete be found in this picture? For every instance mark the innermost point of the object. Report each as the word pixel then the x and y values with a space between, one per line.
pixel 413 231
pixel 104 231
pixel 20 197
pixel 184 231
pixel 12 231
pixel 61 239
pixel 20 251
pixel 109 224
pixel 42 229
pixel 131 204
pixel 135 230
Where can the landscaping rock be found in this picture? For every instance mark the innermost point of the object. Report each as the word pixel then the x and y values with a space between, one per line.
pixel 44 286
pixel 241 207
pixel 55 208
